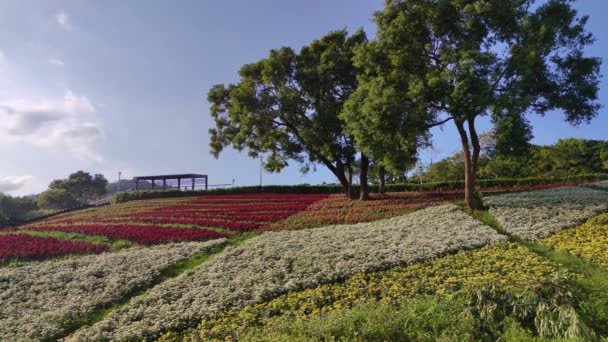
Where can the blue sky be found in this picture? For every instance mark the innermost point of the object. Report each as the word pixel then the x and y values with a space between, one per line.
pixel 108 86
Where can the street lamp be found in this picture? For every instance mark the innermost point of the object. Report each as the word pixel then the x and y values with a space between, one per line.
pixel 119 174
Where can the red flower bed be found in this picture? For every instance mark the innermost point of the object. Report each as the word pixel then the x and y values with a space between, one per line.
pixel 146 235
pixel 233 208
pixel 23 246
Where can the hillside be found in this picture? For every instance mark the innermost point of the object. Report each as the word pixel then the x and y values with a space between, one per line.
pixel 303 266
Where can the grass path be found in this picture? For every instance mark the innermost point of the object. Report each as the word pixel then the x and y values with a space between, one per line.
pixel 171 272
pixel 591 279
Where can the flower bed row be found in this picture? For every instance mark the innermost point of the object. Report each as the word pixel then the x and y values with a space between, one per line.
pixel 26 247
pixel 537 214
pixel 145 235
pixel 40 301
pixel 338 210
pixel 589 240
pixel 503 265
pixel 234 212
pixel 273 263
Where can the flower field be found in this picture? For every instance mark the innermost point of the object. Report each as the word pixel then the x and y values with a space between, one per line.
pixel 145 235
pixel 310 255
pixel 537 214
pixel 185 219
pixel 41 300
pixel 276 262
pixel 589 240
pixel 503 264
pixel 25 247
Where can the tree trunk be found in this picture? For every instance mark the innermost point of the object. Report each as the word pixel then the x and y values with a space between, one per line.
pixel 363 189
pixel 350 194
pixel 470 163
pixel 382 175
pixel 340 173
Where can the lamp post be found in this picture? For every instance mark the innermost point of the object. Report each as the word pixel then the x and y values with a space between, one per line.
pixel 261 169
pixel 119 174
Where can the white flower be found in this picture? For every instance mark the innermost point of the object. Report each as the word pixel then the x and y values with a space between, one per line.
pixel 537 214
pixel 276 262
pixel 40 298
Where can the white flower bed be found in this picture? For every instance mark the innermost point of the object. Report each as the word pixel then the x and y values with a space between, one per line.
pixel 537 214
pixel 39 299
pixel 276 262
pixel 603 184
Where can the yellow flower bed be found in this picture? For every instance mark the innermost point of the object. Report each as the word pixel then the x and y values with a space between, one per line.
pixel 589 240
pixel 504 264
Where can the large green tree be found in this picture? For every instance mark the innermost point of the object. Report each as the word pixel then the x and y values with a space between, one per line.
pixel 82 185
pixel 457 60
pixel 286 106
pixel 57 199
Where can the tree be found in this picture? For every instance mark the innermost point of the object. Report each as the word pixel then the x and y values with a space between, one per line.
pixel 57 199
pixel 512 134
pixel 82 186
pixel 459 60
pixel 285 107
pixel 14 210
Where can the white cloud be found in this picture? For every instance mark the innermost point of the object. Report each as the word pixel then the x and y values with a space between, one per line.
pixel 63 19
pixel 13 183
pixel 56 62
pixel 63 124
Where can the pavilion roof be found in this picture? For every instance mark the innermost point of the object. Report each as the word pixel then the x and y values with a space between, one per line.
pixel 173 176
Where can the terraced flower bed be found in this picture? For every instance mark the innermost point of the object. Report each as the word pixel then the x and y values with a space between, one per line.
pixel 589 240
pixel 26 247
pixel 273 263
pixel 538 214
pixel 503 264
pixel 182 219
pixel 40 301
pixel 145 235
pixel 336 209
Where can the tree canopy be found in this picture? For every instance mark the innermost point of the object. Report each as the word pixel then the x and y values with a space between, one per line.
pixel 57 199
pixel 459 60
pixel 286 106
pixel 82 186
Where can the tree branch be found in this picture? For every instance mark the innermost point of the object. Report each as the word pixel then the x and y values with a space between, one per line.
pixel 439 123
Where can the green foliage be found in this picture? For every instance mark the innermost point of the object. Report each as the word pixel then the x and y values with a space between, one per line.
pixel 57 199
pixel 436 61
pixel 512 133
pixel 548 308
pixel 14 210
pixel 539 312
pixel 81 186
pixel 567 157
pixel 428 319
pixel 286 106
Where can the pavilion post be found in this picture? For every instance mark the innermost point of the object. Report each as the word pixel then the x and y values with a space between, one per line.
pixel 152 184
pixel 164 183
pixel 193 179
pixel 179 183
pixel 136 183
pixel 206 183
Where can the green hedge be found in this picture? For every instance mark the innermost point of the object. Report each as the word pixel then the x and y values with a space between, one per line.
pixel 333 189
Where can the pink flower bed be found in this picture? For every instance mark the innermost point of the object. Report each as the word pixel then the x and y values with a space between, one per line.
pixel 146 235
pixel 23 246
